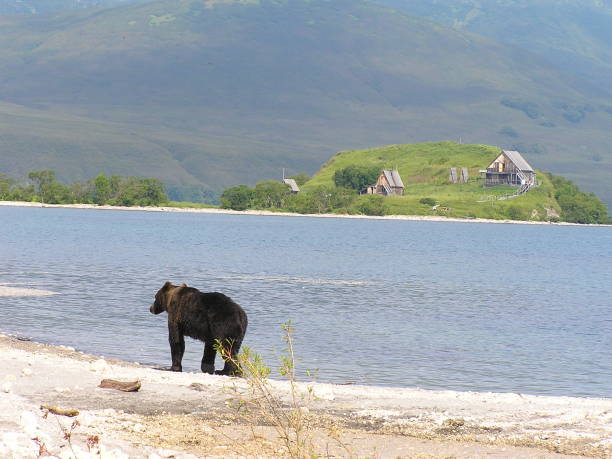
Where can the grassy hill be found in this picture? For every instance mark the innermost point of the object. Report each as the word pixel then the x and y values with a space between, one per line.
pixel 216 93
pixel 424 169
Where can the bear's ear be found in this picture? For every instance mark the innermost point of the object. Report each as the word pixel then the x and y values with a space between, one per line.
pixel 167 285
pixel 183 284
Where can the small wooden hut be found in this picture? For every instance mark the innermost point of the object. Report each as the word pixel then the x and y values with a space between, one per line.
pixel 510 168
pixel 295 189
pixel 389 182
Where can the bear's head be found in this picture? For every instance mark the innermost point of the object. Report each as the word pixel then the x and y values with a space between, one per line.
pixel 163 297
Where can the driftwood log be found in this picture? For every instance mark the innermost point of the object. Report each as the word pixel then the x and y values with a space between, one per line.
pixel 61 411
pixel 124 386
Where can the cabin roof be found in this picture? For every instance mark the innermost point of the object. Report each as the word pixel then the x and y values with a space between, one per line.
pixel 518 160
pixel 393 178
pixel 292 184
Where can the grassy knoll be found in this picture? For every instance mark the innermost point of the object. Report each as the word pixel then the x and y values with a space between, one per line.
pixel 424 169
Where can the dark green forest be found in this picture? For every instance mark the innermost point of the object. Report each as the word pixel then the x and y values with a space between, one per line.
pixel 42 186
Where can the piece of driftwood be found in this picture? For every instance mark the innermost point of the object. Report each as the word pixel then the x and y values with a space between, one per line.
pixel 125 386
pixel 61 411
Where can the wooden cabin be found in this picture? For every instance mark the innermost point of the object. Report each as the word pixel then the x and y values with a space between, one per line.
pixel 510 168
pixel 389 182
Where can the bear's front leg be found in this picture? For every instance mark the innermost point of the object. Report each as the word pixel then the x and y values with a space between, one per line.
pixel 177 347
pixel 208 361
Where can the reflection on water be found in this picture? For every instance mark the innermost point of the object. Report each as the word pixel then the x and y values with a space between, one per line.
pixel 434 305
pixel 293 280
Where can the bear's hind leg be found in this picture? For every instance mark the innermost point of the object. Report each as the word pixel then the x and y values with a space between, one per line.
pixel 208 360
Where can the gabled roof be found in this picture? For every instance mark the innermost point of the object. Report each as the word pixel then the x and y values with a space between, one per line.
pixel 393 178
pixel 518 160
pixel 291 182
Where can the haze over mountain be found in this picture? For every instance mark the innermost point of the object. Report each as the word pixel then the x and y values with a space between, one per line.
pixel 216 93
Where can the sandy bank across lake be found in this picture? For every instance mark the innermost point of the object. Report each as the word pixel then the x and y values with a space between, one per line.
pixel 426 218
pixel 189 415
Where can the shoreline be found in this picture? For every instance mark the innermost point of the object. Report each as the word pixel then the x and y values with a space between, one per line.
pixel 191 415
pixel 267 213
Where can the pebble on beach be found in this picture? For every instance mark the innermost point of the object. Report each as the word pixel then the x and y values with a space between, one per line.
pixel 99 366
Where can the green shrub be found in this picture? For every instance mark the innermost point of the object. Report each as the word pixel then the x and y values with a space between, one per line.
pixel 370 205
pixel 577 206
pixel 356 177
pixel 237 198
pixel 428 201
pixel 515 213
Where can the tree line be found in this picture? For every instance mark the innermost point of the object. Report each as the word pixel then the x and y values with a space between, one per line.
pixel 273 195
pixel 578 206
pixel 42 186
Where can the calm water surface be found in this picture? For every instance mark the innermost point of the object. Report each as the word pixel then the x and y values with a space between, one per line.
pixel 505 308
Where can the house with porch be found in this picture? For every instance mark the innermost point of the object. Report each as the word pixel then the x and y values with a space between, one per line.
pixel 510 169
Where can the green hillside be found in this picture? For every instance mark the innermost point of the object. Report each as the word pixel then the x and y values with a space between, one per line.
pixel 211 94
pixel 424 169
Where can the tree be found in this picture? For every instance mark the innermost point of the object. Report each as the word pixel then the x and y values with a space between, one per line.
pixel 153 192
pixel 577 206
pixel 6 184
pixel 237 198
pixel 42 181
pixel 102 189
pixel 329 199
pixel 82 192
pixel 356 177
pixel 271 194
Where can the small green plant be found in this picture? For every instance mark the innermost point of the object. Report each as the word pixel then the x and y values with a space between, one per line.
pixel 261 403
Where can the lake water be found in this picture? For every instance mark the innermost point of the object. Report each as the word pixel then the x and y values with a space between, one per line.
pixel 482 307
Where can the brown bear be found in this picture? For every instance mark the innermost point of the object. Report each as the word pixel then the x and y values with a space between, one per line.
pixel 210 317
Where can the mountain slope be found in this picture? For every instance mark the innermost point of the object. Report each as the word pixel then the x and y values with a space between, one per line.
pixel 220 93
pixel 576 35
pixel 53 6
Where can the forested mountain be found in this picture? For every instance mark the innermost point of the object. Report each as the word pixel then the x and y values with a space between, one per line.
pixel 216 93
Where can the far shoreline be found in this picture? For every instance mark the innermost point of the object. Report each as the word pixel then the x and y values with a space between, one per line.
pixel 267 213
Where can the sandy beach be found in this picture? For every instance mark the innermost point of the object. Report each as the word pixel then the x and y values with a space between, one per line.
pixel 427 218
pixel 187 415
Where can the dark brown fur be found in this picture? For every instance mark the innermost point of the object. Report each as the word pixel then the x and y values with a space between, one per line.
pixel 206 316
